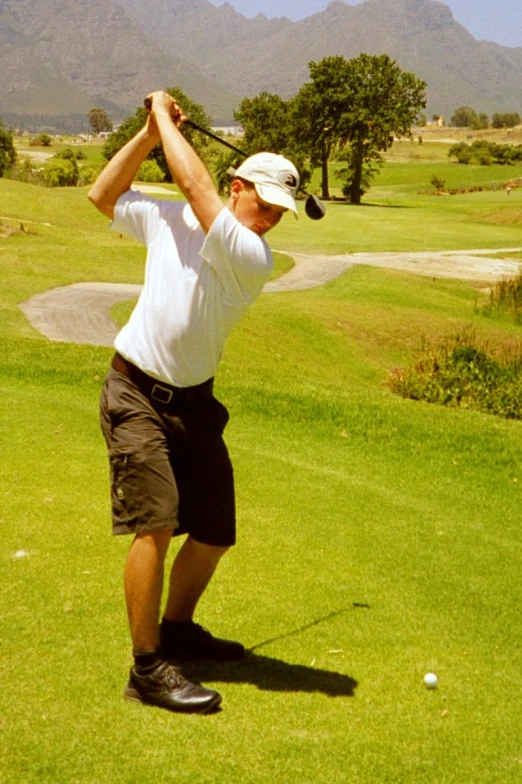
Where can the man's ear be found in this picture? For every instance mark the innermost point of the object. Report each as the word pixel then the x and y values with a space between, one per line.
pixel 236 187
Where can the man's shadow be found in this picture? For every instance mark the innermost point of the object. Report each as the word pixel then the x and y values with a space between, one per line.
pixel 271 674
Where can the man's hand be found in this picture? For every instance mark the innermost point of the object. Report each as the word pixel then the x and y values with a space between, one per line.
pixel 161 103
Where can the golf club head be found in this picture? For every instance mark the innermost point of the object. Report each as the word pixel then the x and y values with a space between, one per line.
pixel 314 207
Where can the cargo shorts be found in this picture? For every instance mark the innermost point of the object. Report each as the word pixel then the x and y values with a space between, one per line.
pixel 169 464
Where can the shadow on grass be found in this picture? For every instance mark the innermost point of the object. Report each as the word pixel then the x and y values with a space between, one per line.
pixel 383 205
pixel 270 674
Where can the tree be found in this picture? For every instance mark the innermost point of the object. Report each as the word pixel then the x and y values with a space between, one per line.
pixel 268 123
pixel 506 120
pixel 7 150
pixel 316 112
pixel 265 122
pixel 364 103
pixel 99 120
pixel 464 117
pixel 132 125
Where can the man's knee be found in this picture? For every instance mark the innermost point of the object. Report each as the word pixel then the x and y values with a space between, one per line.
pixel 157 541
pixel 211 551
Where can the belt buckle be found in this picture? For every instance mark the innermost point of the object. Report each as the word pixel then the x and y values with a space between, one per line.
pixel 162 394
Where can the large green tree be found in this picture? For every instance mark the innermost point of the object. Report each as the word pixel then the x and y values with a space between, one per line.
pixel 7 150
pixel 268 124
pixel 265 122
pixel 132 125
pixel 363 103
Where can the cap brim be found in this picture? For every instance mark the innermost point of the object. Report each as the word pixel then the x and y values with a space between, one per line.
pixel 276 196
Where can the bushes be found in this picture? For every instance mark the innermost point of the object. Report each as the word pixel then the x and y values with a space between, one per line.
pixel 42 140
pixel 440 187
pixel 150 171
pixel 506 120
pixel 484 153
pixel 506 296
pixel 461 373
pixel 7 150
pixel 60 172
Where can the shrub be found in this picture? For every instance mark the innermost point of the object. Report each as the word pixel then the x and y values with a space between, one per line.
pixel 25 170
pixel 88 174
pixel 461 373
pixel 438 183
pixel 149 171
pixel 484 153
pixel 42 140
pixel 7 150
pixel 59 172
pixel 506 297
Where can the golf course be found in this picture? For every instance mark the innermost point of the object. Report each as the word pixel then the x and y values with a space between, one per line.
pixel 378 536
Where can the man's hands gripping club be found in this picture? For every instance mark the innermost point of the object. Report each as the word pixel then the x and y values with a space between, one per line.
pixel 161 103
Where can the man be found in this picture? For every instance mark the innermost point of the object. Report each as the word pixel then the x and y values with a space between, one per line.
pixel 170 469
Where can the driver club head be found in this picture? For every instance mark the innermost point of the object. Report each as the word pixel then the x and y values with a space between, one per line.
pixel 314 207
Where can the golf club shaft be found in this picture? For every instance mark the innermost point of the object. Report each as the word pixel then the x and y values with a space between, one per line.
pixel 148 106
pixel 216 138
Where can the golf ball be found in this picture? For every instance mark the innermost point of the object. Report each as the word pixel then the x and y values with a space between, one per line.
pixel 430 680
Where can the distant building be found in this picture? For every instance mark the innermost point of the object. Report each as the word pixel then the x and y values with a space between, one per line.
pixel 229 130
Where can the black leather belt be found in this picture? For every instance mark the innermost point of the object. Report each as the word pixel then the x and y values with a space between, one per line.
pixel 158 391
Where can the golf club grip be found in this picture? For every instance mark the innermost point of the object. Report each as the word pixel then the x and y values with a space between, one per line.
pixel 147 103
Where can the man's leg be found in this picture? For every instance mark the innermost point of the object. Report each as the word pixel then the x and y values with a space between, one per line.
pixel 191 572
pixel 143 581
pixel 181 638
pixel 152 680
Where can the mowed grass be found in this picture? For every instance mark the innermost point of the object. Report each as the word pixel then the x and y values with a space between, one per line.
pixel 379 539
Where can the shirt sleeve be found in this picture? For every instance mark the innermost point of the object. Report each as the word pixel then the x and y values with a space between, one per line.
pixel 241 259
pixel 138 216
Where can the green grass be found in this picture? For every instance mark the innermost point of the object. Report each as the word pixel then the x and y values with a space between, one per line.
pixel 378 538
pixel 91 150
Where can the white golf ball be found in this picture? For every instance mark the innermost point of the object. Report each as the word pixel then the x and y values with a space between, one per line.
pixel 430 680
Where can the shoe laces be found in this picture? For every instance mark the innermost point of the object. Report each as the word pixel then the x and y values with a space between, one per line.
pixel 171 676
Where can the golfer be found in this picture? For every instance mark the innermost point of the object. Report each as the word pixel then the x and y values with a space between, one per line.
pixel 170 469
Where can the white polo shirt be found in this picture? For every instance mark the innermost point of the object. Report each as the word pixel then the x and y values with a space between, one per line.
pixel 196 287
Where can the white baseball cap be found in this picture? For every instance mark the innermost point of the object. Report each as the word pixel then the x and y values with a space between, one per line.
pixel 275 178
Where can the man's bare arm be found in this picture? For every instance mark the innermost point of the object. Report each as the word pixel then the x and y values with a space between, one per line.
pixel 118 175
pixel 188 170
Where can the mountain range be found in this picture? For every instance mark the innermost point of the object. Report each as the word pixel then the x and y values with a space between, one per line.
pixel 59 58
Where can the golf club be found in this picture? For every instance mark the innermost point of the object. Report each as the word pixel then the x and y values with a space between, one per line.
pixel 314 207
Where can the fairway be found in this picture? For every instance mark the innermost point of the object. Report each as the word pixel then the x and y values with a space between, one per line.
pixel 379 538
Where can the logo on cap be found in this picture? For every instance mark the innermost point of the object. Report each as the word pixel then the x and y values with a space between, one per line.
pixel 287 179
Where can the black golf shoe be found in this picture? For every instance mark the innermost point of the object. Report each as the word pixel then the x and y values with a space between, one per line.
pixel 188 641
pixel 166 687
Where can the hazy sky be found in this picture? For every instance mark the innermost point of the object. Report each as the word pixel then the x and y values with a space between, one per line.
pixel 492 20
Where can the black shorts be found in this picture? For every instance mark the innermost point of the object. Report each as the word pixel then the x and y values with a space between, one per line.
pixel 169 464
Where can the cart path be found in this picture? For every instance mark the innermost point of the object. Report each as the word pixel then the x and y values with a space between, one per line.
pixel 80 313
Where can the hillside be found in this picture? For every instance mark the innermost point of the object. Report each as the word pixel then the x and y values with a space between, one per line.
pixel 421 35
pixel 59 57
